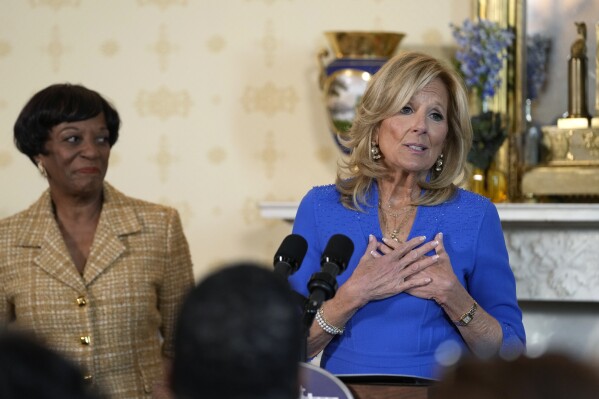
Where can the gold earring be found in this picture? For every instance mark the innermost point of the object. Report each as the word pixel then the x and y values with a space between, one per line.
pixel 439 163
pixel 375 151
pixel 40 167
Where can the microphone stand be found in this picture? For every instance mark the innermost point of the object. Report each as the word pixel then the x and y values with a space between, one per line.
pixel 323 284
pixel 322 287
pixel 302 301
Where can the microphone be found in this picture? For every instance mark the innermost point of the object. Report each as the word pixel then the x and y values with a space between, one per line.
pixel 290 255
pixel 334 260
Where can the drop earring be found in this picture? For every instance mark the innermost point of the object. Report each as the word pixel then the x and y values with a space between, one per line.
pixel 375 151
pixel 439 163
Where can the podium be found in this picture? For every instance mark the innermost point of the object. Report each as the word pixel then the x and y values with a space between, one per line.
pixel 386 386
pixel 317 382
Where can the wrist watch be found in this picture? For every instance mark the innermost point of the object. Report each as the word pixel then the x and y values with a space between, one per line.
pixel 468 316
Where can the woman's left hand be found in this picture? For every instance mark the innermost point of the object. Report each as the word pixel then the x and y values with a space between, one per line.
pixel 443 280
pixel 484 334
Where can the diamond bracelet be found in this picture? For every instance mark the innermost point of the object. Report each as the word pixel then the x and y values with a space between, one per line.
pixel 322 322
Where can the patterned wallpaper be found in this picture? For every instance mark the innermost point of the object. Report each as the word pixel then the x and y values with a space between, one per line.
pixel 219 99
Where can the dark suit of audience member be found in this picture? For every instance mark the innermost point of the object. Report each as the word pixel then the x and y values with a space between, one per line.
pixel 238 336
pixel 550 376
pixel 30 370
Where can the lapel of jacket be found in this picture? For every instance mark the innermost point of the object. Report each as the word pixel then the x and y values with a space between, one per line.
pixel 118 219
pixel 40 230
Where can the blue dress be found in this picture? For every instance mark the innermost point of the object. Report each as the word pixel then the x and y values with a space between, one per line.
pixel 403 334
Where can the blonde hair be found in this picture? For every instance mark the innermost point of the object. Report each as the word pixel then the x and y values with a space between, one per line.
pixel 390 89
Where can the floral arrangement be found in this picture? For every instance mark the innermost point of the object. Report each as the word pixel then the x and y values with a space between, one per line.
pixel 537 53
pixel 482 49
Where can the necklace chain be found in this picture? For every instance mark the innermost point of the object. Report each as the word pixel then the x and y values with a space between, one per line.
pixel 400 211
pixel 397 226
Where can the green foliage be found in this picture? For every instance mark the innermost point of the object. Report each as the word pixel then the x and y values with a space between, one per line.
pixel 488 135
pixel 342 126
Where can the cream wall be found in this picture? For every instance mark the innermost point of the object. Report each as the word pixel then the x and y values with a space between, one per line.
pixel 218 98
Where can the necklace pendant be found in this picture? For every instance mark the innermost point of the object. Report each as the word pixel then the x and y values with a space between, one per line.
pixel 394 234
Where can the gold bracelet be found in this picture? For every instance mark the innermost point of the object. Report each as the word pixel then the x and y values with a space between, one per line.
pixel 324 324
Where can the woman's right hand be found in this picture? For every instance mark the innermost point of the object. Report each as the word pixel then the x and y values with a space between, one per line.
pixel 380 275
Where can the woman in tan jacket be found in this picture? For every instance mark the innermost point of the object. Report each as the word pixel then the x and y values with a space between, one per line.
pixel 97 275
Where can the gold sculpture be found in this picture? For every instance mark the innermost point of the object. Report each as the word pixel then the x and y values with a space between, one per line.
pixel 578 111
pixel 597 73
pixel 595 122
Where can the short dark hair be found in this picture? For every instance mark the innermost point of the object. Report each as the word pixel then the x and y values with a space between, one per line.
pixel 56 104
pixel 238 336
pixel 30 370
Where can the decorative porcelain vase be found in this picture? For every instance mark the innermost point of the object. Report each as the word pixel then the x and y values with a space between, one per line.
pixel 343 80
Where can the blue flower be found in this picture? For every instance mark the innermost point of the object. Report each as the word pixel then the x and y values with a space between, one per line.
pixel 482 48
pixel 537 53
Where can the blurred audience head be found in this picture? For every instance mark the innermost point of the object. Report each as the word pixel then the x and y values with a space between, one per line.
pixel 30 370
pixel 550 376
pixel 238 336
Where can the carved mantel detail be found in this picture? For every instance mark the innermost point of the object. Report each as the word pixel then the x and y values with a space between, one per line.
pixel 554 263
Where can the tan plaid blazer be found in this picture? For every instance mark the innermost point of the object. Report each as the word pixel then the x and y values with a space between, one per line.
pixel 117 319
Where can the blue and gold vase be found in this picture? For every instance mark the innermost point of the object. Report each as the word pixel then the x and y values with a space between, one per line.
pixel 343 80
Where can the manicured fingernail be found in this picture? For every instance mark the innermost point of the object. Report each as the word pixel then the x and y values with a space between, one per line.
pixel 428 280
pixel 370 237
pixel 435 257
pixel 435 243
pixel 422 238
pixel 440 235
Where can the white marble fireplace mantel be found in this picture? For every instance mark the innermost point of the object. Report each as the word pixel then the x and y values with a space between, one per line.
pixel 553 248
